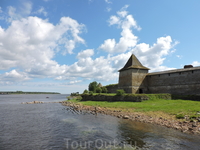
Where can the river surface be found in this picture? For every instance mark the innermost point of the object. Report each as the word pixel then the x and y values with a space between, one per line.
pixel 51 126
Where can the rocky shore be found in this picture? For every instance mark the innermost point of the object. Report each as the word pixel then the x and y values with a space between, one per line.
pixel 190 126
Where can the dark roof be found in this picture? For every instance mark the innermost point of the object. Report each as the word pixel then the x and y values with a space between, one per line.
pixel 174 71
pixel 133 63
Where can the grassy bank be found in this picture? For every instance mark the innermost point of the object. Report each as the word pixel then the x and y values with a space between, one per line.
pixel 158 107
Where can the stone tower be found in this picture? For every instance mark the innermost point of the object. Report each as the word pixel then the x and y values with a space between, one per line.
pixel 132 75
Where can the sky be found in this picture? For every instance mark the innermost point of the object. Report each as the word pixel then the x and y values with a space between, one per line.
pixel 63 45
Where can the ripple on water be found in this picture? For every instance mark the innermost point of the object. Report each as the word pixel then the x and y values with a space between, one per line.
pixel 48 126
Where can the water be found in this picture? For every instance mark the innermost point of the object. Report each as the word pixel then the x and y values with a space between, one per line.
pixel 52 126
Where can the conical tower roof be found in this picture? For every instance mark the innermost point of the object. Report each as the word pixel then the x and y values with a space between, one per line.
pixel 133 63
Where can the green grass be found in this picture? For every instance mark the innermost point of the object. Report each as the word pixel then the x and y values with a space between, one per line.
pixel 109 94
pixel 171 107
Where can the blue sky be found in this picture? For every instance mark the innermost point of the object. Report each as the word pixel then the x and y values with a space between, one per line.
pixel 63 45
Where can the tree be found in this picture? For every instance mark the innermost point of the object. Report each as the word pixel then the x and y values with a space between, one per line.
pixel 104 89
pixel 98 90
pixel 120 92
pixel 93 86
pixel 85 91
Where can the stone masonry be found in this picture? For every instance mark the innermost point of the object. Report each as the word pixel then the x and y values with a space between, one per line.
pixel 134 78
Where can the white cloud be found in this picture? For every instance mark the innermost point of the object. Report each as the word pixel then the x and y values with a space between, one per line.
pixel 85 53
pixel 128 40
pixel 108 1
pixel 119 61
pixel 74 82
pixel 123 12
pixel 114 20
pixel 1 10
pixel 30 44
pixel 23 11
pixel 109 45
pixel 179 56
pixel 153 56
pixel 74 28
pixel 150 56
pixel 41 10
pixel 26 8
pixel 94 69
pixel 108 9
pixel 106 69
pixel 196 63
pixel 13 76
pixel 129 23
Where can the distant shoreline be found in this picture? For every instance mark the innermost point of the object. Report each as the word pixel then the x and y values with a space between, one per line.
pixel 21 92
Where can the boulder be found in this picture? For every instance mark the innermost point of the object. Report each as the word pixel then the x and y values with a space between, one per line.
pixel 125 117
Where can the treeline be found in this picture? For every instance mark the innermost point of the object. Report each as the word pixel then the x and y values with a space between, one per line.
pixel 21 92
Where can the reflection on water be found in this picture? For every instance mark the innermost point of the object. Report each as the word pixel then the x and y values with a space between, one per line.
pixel 148 136
pixel 53 126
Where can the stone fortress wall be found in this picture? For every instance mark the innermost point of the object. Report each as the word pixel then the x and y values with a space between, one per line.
pixel 134 78
pixel 180 82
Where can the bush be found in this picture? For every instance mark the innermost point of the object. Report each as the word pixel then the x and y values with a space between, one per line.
pixel 90 92
pixel 75 94
pixel 85 91
pixel 98 90
pixel 120 92
pixel 104 89
pixel 180 116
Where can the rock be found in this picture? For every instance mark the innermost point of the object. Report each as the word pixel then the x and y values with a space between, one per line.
pixel 125 117
pixel 194 125
pixel 190 128
pixel 187 117
pixel 177 127
pixel 34 102
pixel 198 113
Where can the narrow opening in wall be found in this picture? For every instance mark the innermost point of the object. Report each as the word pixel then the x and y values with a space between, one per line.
pixel 159 75
pixel 169 74
pixel 140 91
pixel 179 73
pixel 192 71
